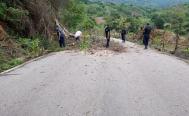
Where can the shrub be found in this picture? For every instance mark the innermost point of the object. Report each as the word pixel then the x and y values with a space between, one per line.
pixel 84 45
pixel 31 46
pixel 186 50
pixel 2 10
pixel 10 64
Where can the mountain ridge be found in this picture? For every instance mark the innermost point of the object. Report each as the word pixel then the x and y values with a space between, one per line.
pixel 149 3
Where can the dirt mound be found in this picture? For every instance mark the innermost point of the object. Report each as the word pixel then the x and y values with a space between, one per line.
pixel 98 47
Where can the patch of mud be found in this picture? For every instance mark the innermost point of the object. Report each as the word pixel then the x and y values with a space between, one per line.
pixel 115 49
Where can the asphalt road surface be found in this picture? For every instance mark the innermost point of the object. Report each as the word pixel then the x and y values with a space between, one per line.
pixel 135 83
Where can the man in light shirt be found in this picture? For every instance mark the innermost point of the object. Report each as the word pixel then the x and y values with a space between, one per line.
pixel 78 35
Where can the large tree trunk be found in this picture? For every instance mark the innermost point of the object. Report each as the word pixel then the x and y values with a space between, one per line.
pixel 66 32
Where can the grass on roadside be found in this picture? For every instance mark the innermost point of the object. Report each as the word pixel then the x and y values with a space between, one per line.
pixel 26 49
pixel 5 65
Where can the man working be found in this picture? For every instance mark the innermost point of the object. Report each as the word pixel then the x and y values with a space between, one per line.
pixel 107 33
pixel 123 35
pixel 61 36
pixel 146 34
pixel 78 35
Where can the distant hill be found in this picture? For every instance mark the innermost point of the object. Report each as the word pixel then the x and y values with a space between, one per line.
pixel 149 3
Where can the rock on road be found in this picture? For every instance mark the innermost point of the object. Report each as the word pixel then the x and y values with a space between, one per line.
pixel 135 83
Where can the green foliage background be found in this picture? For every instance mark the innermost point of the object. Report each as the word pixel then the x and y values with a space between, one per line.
pixel 80 14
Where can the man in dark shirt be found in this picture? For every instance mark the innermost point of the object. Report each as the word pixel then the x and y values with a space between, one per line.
pixel 61 36
pixel 123 35
pixel 107 33
pixel 146 33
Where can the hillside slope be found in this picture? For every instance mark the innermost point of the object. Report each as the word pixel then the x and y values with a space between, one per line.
pixel 29 18
pixel 26 29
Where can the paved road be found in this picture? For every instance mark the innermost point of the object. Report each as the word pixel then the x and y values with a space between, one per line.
pixel 135 83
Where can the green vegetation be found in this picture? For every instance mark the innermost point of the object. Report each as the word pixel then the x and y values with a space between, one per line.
pixel 177 16
pixel 30 32
pixel 84 45
pixel 10 64
pixel 81 13
pixel 118 16
pixel 31 46
pixel 74 16
pixel 27 48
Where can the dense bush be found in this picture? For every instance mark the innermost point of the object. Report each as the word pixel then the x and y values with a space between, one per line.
pixel 2 10
pixel 75 17
pixel 30 17
pixel 177 16
pixel 31 46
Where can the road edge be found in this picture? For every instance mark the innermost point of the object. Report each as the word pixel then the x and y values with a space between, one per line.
pixel 27 62
pixel 155 50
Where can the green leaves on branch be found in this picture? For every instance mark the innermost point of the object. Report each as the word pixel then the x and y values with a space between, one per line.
pixel 12 14
pixel 3 8
pixel 31 46
pixel 75 16
pixel 176 17
pixel 10 64
pixel 16 14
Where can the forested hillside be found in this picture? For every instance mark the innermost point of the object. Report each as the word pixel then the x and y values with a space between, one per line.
pixel 170 24
pixel 27 27
pixel 130 16
pixel 148 3
pixel 29 18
